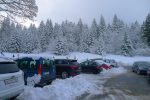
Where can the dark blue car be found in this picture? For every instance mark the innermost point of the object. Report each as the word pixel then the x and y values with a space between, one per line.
pixel 39 71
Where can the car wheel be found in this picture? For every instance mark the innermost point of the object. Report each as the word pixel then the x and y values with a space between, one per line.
pixel 132 70
pixel 64 75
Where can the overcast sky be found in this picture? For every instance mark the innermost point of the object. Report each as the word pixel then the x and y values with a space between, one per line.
pixel 72 10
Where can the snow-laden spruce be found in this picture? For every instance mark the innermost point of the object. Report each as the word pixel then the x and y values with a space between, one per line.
pixel 98 38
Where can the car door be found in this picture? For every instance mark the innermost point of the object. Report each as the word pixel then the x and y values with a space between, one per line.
pixel 91 65
pixel 85 66
pixel 48 69
pixel 61 65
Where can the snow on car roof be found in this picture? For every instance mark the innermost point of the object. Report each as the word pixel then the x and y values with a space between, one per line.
pixel 35 57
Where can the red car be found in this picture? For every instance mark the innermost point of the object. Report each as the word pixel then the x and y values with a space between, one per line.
pixel 104 66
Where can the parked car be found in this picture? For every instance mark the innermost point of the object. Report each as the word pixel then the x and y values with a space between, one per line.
pixel 107 64
pixel 67 67
pixel 101 62
pixel 112 62
pixel 91 66
pixel 141 67
pixel 43 67
pixel 11 79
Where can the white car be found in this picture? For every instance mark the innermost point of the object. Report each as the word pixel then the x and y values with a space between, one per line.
pixel 112 62
pixel 11 79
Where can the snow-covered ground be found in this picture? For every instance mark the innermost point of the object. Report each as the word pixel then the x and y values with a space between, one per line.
pixel 71 88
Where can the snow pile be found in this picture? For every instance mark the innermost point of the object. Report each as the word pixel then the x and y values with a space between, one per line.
pixel 31 81
pixel 67 89
pixel 113 72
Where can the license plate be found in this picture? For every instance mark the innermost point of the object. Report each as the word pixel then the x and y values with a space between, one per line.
pixel 11 80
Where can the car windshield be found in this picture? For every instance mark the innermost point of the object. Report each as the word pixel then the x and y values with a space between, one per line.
pixel 8 67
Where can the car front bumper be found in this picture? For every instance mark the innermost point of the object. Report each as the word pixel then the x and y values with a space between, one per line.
pixel 12 92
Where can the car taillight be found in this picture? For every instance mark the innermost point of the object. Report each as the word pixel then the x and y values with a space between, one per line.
pixel 149 71
pixel 40 69
pixel 73 67
pixel 98 67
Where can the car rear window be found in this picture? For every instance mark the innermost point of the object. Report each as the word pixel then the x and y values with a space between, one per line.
pixel 74 62
pixel 47 63
pixel 8 67
pixel 61 62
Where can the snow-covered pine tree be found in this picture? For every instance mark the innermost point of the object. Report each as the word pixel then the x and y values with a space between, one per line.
pixel 126 47
pixel 49 30
pixel 78 34
pixel 146 29
pixel 5 31
pixel 102 27
pixel 60 48
pixel 42 36
pixel 94 29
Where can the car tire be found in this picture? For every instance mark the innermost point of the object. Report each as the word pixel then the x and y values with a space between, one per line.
pixel 64 75
pixel 133 70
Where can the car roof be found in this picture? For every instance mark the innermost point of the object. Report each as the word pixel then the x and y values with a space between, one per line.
pixel 35 57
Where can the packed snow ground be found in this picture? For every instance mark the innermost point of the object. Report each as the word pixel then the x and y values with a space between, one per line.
pixel 71 88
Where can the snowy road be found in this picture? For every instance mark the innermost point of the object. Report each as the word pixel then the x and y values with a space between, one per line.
pixel 128 86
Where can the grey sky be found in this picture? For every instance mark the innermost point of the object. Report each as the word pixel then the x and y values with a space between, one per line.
pixel 60 10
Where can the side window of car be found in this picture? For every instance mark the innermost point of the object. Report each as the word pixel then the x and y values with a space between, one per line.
pixel 94 63
pixel 90 63
pixel 46 63
pixel 33 64
pixel 84 63
pixel 24 65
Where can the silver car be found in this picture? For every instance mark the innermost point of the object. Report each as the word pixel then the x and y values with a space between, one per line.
pixel 11 79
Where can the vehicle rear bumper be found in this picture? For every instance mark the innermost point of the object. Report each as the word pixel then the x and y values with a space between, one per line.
pixel 12 92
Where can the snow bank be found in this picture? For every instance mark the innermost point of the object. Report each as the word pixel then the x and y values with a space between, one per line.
pixel 113 72
pixel 67 89
pixel 31 81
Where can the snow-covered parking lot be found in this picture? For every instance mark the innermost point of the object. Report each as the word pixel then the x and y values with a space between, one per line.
pixel 74 88
pixel 71 88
